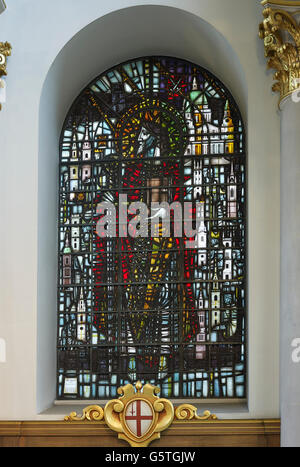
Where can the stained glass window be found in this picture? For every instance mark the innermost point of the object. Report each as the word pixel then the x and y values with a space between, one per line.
pixel 157 292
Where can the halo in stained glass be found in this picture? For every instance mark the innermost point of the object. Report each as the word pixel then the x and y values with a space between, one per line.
pixel 150 308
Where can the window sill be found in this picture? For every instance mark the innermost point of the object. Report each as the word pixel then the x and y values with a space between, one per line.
pixel 234 408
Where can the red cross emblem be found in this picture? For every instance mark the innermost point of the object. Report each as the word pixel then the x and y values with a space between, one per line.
pixel 138 417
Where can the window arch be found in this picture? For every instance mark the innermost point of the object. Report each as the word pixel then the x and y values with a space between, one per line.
pixel 161 304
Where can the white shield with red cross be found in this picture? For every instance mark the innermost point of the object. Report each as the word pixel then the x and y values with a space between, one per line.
pixel 138 417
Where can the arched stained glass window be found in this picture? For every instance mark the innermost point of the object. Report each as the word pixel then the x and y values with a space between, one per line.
pixel 152 235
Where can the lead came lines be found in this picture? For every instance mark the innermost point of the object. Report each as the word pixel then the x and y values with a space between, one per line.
pixel 193 146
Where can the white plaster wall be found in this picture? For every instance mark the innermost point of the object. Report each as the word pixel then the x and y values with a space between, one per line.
pixel 58 47
pixel 290 269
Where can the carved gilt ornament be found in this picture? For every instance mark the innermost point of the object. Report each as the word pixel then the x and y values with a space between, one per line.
pixel 139 415
pixel 5 51
pixel 280 32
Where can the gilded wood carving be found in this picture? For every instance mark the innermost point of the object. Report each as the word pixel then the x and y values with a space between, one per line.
pixel 280 32
pixel 139 415
pixel 5 51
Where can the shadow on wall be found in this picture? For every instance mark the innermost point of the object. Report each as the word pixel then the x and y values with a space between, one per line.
pixel 109 40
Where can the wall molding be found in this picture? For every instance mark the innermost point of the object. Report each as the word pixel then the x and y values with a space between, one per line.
pixel 235 433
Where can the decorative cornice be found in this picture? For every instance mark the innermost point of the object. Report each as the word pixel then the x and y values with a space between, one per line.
pixel 5 51
pixel 194 433
pixel 158 413
pixel 281 34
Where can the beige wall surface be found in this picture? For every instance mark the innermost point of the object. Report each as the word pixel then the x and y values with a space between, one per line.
pixel 58 47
